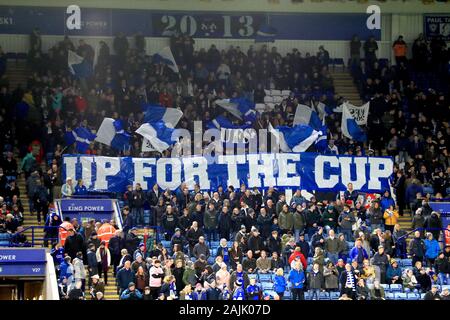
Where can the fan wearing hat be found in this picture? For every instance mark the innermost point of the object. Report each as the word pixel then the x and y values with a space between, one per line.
pixel 238 292
pixel 97 286
pixel 131 293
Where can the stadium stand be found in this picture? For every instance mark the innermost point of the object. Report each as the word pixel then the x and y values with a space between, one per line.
pixel 394 247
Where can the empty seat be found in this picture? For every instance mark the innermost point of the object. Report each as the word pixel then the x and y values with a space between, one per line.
pixel 165 243
pixel 214 244
pixel 270 106
pixel 334 295
pixel 285 93
pixel 389 296
pixel 385 287
pixel 267 285
pixel 278 99
pixel 213 252
pixel 445 286
pixel 268 99
pixel 275 92
pixel 324 296
pixel 400 296
pixel 252 276
pixel 406 262
pixel 265 277
pixel 396 288
pixel 413 296
pixel 267 92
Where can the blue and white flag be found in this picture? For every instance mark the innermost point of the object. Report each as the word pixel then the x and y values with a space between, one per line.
pixel 79 66
pixel 230 132
pixel 111 133
pixel 158 134
pixel 307 116
pixel 297 138
pixel 81 136
pixel 266 33
pixel 350 128
pixel 165 56
pixel 154 113
pixel 241 108
pixel 360 114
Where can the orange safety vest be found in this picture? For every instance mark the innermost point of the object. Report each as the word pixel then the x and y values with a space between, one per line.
pixel 400 50
pixel 447 237
pixel 106 232
pixel 64 233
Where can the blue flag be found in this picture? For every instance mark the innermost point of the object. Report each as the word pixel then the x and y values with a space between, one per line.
pixel 111 133
pixel 81 136
pixel 79 66
pixel 158 135
pixel 155 113
pixel 350 128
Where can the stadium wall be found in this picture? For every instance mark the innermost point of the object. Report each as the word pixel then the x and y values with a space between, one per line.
pixel 408 25
pixel 399 6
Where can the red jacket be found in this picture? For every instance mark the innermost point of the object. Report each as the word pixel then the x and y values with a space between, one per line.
pixel 296 254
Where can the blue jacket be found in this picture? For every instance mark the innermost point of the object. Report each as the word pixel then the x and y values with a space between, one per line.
pixel 354 253
pixel 386 202
pixel 238 294
pixel 297 279
pixel 58 256
pixel 80 190
pixel 411 191
pixel 432 248
pixel 279 284
pixel 391 273
pixel 124 277
pixel 127 295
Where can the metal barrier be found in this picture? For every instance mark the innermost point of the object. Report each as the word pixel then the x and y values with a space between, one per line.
pixel 422 229
pixel 34 239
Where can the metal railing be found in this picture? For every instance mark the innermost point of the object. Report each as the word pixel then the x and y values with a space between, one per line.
pixel 421 229
pixel 13 239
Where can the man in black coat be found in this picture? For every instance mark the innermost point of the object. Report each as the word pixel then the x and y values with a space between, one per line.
pixel 116 244
pixel 75 243
pixel 255 242
pixel 131 240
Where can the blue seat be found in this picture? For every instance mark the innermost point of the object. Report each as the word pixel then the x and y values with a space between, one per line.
pixel 413 296
pixel 211 260
pixel 422 296
pixel 338 62
pixel 165 243
pixel 214 244
pixel 213 252
pixel 310 260
pixel 406 262
pixel 401 296
pixel 385 287
pixel 264 277
pixel 396 288
pixel 11 55
pixel 324 296
pixel 389 296
pixel 445 286
pixel 21 56
pixel 267 285
pixel 253 276
pixel 287 295
pixel 334 295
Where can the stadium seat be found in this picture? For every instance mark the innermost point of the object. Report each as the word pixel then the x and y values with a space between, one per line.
pixel 11 55
pixel 211 260
pixel 401 296
pixel 422 296
pixel 287 295
pixel 310 260
pixel 165 243
pixel 334 295
pixel 267 92
pixel 396 288
pixel 445 286
pixel 21 56
pixel 270 106
pixel 324 296
pixel 389 296
pixel 406 262
pixel 253 276
pixel 213 252
pixel 277 99
pixel 267 285
pixel 260 107
pixel 268 99
pixel 413 296
pixel 285 93
pixel 275 92
pixel 214 244
pixel 385 287
pixel 338 62
pixel 264 277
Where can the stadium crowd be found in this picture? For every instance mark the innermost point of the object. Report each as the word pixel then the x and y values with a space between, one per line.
pixel 237 243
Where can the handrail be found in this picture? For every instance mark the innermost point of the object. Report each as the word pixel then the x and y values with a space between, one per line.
pixel 15 235
pixel 420 229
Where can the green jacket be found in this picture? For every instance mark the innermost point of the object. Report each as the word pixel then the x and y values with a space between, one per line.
pixel 27 162
pixel 286 220
pixel 299 220
pixel 189 277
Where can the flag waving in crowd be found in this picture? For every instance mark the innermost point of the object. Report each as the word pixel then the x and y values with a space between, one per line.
pixel 111 133
pixel 350 127
pixel 79 66
pixel 81 136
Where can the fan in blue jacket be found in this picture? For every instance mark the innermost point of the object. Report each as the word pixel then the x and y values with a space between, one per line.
pixel 279 283
pixel 296 278
pixel 253 290
pixel 386 201
pixel 432 248
pixel 238 293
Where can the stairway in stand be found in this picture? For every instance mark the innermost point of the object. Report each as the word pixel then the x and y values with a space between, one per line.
pixel 17 72
pixel 28 218
pixel 110 289
pixel 344 86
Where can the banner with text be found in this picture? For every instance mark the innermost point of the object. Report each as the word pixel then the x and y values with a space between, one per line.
pixel 437 25
pixel 227 25
pixel 308 171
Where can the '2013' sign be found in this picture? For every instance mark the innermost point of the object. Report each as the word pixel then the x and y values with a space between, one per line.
pixel 208 25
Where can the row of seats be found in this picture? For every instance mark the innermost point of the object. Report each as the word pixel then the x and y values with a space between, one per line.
pixel 5 239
